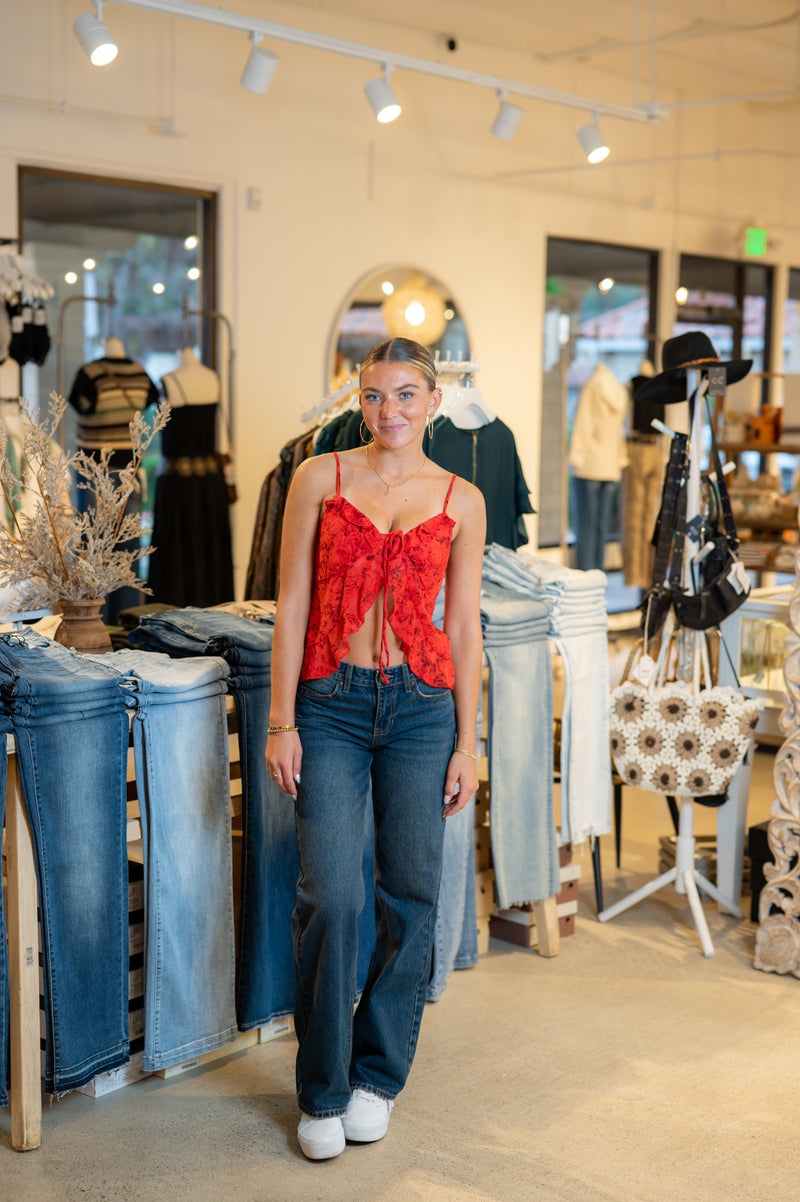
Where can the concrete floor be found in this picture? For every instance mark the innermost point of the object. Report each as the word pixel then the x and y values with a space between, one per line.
pixel 628 1069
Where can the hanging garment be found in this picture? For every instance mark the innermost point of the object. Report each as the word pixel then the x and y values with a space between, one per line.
pixel 192 560
pixel 487 457
pixel 180 740
pixel 105 394
pixel 597 455
pixel 263 569
pixel 71 731
pixel 597 448
pixel 641 496
pixel 523 832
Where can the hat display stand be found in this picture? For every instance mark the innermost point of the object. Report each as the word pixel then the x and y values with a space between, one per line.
pixel 684 874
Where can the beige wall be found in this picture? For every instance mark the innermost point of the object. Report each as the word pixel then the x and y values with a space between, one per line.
pixel 341 195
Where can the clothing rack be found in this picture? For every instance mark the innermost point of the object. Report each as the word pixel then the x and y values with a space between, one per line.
pixel 456 367
pixel 222 319
pixel 111 301
pixel 328 401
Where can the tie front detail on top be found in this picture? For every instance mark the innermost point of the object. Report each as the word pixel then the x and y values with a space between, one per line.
pixel 355 561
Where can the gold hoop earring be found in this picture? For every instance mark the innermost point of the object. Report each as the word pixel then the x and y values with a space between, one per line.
pixel 430 426
pixel 361 435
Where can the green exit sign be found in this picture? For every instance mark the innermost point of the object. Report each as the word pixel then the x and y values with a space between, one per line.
pixel 755 241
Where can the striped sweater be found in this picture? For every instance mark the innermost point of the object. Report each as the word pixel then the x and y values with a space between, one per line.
pixel 105 394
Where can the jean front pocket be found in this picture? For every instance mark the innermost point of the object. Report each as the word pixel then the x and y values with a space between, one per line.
pixel 320 689
pixel 430 692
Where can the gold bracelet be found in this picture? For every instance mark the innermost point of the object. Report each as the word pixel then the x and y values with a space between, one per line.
pixel 279 730
pixel 463 751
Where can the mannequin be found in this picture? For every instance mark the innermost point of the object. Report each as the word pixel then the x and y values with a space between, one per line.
pixel 106 394
pixel 597 456
pixel 642 481
pixel 192 563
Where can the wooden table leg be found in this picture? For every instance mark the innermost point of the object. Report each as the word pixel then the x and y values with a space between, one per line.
pixel 548 937
pixel 23 957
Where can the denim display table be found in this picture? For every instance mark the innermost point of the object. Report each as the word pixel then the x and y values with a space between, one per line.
pixel 25 1094
pixel 23 968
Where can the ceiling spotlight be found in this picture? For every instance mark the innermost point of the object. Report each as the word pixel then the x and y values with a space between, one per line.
pixel 606 284
pixel 259 68
pixel 193 273
pixel 681 295
pixel 89 264
pixel 382 99
pixel 592 141
pixel 191 242
pixel 158 288
pixel 93 36
pixel 506 123
pixel 71 277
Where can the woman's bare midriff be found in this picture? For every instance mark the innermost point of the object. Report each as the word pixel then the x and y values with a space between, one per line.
pixel 365 643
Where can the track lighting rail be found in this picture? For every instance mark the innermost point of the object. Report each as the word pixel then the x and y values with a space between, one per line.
pixel 388 58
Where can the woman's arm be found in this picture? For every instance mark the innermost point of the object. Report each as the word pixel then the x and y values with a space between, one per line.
pixel 310 484
pixel 462 624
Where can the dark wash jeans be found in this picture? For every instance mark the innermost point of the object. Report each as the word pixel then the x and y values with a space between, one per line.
pixel 72 762
pixel 358 732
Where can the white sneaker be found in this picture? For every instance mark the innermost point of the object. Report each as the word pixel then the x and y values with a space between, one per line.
pixel 367 1117
pixel 320 1138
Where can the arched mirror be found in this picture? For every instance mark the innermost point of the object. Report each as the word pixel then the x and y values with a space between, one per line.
pixel 396 302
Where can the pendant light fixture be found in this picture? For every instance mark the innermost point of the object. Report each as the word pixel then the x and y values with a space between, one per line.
pixel 592 141
pixel 96 41
pixel 382 99
pixel 259 68
pixel 506 123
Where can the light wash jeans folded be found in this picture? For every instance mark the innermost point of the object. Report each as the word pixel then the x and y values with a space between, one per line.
pixel 181 755
pixel 585 746
pixel 523 833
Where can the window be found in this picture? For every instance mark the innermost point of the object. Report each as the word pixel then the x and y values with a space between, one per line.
pixel 599 308
pixel 147 248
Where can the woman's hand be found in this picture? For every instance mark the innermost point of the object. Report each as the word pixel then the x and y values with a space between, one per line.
pixel 460 783
pixel 284 756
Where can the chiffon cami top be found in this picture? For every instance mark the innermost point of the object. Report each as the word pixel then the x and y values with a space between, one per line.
pixel 354 562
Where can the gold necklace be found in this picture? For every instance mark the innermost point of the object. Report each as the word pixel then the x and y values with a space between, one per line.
pixel 386 485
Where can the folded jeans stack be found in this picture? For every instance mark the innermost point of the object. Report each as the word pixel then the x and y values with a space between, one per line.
pixel 69 721
pixel 270 866
pixel 520 738
pixel 578 628
pixel 180 741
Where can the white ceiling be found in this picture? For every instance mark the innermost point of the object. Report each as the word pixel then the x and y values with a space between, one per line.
pixel 726 71
pixel 704 47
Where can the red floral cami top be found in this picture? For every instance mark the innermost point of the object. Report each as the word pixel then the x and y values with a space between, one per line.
pixel 354 562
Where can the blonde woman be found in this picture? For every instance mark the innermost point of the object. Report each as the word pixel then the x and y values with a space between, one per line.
pixel 369 698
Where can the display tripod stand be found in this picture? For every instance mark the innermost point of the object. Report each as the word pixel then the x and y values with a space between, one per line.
pixel 685 876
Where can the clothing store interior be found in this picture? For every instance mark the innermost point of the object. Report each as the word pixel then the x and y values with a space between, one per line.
pixel 587 212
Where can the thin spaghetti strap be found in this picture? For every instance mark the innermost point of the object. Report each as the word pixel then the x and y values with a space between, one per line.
pixel 338 474
pixel 450 489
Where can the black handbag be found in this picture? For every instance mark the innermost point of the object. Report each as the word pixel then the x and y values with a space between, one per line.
pixel 721 583
pixel 720 579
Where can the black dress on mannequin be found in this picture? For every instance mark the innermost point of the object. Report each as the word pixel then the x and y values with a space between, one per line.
pixel 192 562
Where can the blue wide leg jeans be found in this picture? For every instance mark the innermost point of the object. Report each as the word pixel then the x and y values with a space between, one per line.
pixel 357 730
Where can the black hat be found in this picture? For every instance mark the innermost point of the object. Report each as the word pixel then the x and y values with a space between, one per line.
pixel 685 351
